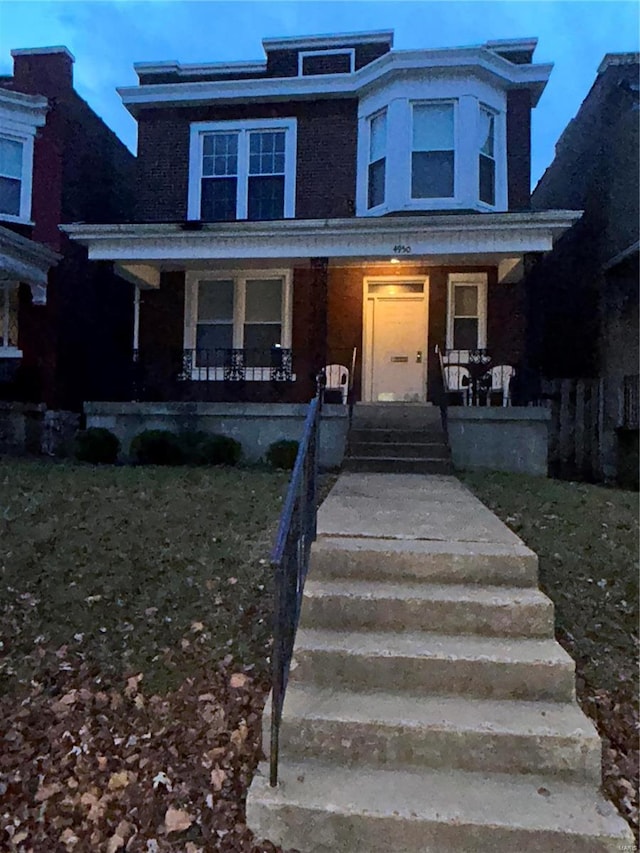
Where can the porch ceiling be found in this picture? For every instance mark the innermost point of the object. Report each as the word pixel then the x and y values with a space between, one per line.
pixel 24 260
pixel 453 238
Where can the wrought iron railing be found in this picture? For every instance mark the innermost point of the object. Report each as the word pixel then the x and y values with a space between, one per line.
pixel 443 395
pixel 630 395
pixel 272 364
pixel 290 562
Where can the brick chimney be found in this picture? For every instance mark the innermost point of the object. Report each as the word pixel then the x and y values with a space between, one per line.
pixel 44 71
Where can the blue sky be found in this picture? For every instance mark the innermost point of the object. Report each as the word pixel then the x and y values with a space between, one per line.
pixel 108 37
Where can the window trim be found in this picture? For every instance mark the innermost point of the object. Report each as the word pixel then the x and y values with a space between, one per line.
pixel 478 280
pixel 385 112
pixel 26 179
pixel 337 51
pixel 243 127
pixel 239 278
pixel 496 117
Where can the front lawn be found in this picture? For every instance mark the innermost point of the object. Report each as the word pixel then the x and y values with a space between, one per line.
pixel 587 540
pixel 135 627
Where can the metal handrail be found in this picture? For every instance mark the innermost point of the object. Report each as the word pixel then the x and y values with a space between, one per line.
pixel 290 562
pixel 444 416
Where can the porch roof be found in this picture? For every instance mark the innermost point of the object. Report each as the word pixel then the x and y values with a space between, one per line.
pixel 489 236
pixel 27 261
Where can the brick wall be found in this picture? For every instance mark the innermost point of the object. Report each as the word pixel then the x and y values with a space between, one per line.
pixel 519 149
pixel 325 170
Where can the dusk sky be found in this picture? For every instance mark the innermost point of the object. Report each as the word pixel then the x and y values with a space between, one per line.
pixel 108 37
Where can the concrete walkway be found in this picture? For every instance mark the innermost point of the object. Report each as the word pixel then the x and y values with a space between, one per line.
pixel 429 706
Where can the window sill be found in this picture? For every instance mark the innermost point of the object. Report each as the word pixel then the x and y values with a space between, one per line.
pixel 10 352
pixel 18 220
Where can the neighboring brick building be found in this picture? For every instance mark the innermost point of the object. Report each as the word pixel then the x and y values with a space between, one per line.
pixel 67 324
pixel 339 195
pixel 584 294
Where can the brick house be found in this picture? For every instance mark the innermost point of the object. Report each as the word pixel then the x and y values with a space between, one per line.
pixel 65 323
pixel 337 196
pixel 583 312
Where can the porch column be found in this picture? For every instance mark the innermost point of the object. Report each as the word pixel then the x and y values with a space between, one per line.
pixel 318 333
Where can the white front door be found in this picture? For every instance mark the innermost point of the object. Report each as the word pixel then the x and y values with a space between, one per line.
pixel 395 340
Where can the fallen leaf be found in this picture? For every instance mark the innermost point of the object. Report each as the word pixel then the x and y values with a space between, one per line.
pixel 119 780
pixel 177 820
pixel 238 679
pixel 218 775
pixel 132 684
pixel 44 792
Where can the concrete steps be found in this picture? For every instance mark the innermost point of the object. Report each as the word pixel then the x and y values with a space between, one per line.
pixel 399 730
pixel 445 608
pixel 482 667
pixel 326 808
pixel 429 708
pixel 397 438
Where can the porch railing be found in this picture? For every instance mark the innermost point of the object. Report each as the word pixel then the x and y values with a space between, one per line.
pixel 290 562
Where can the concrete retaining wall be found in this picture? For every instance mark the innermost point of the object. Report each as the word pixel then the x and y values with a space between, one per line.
pixel 20 427
pixel 510 438
pixel 254 425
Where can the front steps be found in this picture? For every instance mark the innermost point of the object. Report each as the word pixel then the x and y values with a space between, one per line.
pixel 397 438
pixel 429 708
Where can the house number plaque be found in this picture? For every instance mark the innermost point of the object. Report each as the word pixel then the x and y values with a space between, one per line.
pixel 401 249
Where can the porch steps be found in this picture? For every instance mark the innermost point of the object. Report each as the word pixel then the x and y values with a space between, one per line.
pixel 429 708
pixel 397 438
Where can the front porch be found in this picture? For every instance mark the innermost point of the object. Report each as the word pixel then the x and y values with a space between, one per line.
pixel 251 312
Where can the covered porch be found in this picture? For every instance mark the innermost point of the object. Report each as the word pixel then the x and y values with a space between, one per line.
pixel 252 311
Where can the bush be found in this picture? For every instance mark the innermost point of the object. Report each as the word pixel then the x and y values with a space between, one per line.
pixel 282 454
pixel 202 448
pixel 97 445
pixel 157 447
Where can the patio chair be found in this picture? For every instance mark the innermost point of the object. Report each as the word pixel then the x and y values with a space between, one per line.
pixel 337 383
pixel 501 376
pixel 458 381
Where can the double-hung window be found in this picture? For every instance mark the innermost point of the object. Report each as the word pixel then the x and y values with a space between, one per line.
pixel 8 319
pixel 433 151
pixel 487 156
pixel 467 311
pixel 242 170
pixel 11 176
pixel 239 317
pixel 377 159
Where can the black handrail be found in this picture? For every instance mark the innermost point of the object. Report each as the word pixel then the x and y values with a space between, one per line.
pixel 444 394
pixel 290 562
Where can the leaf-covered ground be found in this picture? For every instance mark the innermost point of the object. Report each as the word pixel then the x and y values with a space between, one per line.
pixel 587 539
pixel 135 608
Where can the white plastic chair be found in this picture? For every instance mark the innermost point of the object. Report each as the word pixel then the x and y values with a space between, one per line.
pixel 501 376
pixel 458 379
pixel 337 379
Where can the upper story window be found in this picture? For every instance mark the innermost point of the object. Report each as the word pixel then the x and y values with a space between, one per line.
pixel 314 62
pixel 11 156
pixel 377 159
pixel 242 170
pixel 433 151
pixel 487 156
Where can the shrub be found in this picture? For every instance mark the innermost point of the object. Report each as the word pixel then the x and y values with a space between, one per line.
pixel 203 448
pixel 97 445
pixel 282 454
pixel 157 447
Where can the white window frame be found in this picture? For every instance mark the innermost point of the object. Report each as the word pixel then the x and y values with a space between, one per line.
pixel 200 129
pixel 470 279
pixel 5 295
pixel 496 150
pixel 26 178
pixel 339 51
pixel 383 112
pixel 435 200
pixel 239 278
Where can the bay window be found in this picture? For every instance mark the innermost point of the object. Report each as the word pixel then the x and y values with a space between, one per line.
pixel 377 159
pixel 487 161
pixel 239 318
pixel 242 170
pixel 467 312
pixel 433 151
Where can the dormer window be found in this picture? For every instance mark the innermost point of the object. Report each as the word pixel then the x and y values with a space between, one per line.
pixel 433 151
pixel 377 159
pixel 487 156
pixel 315 62
pixel 242 170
